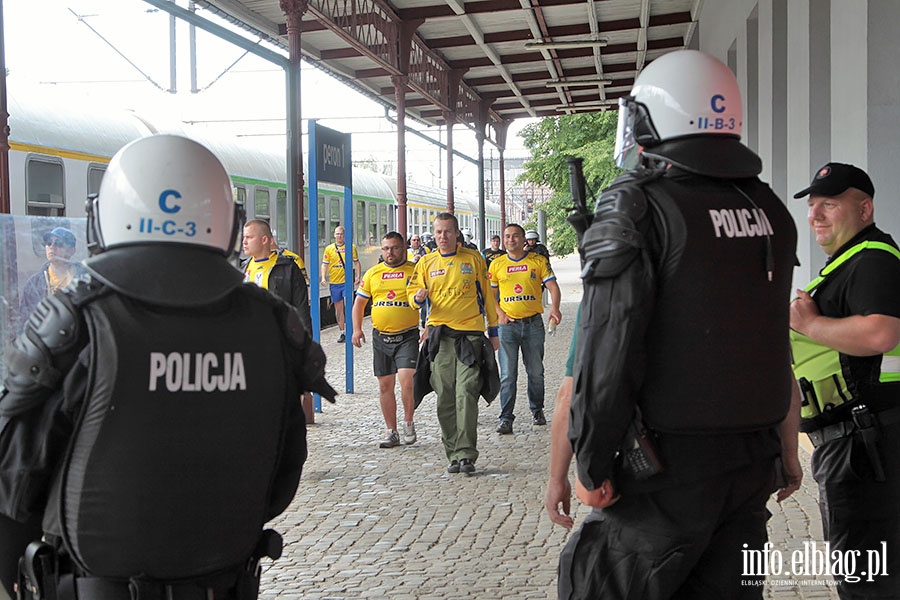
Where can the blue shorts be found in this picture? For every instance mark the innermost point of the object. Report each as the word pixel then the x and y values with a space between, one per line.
pixel 337 292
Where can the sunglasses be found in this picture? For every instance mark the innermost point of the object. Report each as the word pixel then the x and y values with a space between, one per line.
pixel 56 244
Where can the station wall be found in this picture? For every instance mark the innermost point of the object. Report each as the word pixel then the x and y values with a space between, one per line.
pixel 820 83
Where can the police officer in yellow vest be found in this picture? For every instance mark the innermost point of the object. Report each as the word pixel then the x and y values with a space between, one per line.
pixel 845 330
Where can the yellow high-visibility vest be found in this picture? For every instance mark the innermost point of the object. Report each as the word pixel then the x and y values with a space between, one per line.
pixel 818 368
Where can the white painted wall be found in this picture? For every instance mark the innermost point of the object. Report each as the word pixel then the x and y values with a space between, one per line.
pixel 843 96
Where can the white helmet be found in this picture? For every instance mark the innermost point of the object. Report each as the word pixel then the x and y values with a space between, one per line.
pixel 685 108
pixel 164 189
pixel 163 224
pixel 531 234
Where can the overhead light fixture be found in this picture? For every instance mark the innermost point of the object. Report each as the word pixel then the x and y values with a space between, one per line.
pixel 566 44
pixel 590 82
pixel 593 104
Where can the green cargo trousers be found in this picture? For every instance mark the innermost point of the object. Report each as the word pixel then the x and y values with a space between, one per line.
pixel 457 387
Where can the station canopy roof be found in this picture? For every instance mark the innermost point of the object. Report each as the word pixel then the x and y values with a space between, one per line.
pixel 485 61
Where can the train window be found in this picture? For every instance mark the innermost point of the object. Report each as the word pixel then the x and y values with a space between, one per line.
pixel 261 203
pixel 45 187
pixel 94 176
pixel 281 218
pixel 240 194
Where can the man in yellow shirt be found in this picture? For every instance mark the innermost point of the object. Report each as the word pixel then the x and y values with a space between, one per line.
pixel 333 275
pixel 516 279
pixel 395 334
pixel 280 272
pixel 454 281
pixel 416 249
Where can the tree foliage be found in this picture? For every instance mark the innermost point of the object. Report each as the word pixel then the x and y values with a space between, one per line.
pixel 590 136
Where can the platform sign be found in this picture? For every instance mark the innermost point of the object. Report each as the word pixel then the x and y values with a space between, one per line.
pixel 333 156
pixel 329 156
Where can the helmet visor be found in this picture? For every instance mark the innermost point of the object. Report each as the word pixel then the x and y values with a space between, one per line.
pixel 627 150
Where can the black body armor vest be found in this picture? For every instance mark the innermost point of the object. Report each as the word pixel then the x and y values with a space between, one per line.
pixel 178 440
pixel 718 341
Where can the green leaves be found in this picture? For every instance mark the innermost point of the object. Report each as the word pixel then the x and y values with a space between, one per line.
pixel 592 137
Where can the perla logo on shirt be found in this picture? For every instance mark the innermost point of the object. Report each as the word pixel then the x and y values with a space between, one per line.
pixel 197 372
pixel 740 222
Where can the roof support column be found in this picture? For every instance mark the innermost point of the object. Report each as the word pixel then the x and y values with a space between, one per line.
pixel 293 11
pixel 450 118
pixel 500 130
pixel 400 82
pixel 481 122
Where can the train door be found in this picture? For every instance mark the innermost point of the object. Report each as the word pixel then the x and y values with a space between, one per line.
pixel 372 224
pixel 359 233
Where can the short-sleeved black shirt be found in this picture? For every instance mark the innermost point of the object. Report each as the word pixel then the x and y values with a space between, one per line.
pixel 867 284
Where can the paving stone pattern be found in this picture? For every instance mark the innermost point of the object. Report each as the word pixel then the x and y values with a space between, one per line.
pixel 392 523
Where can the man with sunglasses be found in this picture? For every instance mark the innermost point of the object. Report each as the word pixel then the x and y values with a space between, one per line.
pixel 57 273
pixel 416 249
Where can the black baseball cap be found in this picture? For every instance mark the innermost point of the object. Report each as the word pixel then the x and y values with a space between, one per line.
pixel 834 178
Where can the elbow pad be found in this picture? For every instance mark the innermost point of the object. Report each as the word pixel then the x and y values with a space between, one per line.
pixel 41 356
pixel 613 240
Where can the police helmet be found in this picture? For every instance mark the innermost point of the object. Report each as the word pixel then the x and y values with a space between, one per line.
pixel 531 234
pixel 685 108
pixel 165 206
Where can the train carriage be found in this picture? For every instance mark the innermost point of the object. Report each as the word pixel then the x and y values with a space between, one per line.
pixel 59 152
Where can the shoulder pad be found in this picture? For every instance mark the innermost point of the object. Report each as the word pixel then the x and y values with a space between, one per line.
pixel 45 350
pixel 635 177
pixel 613 240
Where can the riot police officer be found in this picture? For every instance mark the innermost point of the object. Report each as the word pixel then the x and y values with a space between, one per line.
pixel 147 414
pixel 681 380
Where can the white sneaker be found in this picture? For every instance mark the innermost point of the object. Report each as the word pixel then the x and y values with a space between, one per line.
pixel 409 433
pixel 391 440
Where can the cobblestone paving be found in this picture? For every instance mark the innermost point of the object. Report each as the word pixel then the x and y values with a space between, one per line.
pixel 392 523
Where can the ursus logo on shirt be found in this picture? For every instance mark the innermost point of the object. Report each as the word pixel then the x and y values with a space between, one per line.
pixel 391 295
pixel 518 288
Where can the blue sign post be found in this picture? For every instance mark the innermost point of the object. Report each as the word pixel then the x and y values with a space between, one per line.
pixel 329 160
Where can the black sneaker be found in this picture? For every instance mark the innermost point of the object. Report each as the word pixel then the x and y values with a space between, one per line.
pixel 454 467
pixel 466 466
pixel 341 338
pixel 538 418
pixel 505 427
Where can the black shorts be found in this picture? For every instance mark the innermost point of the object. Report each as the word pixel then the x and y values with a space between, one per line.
pixel 394 351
